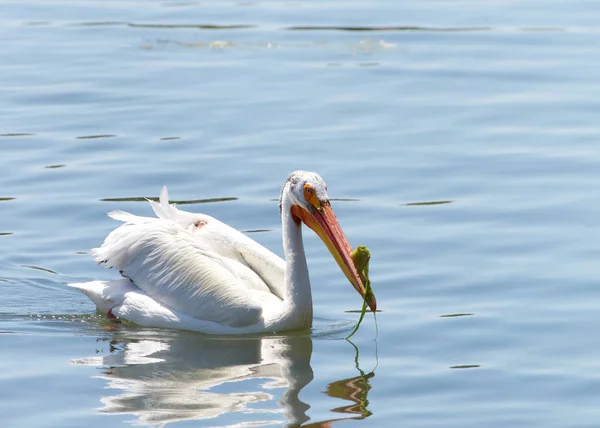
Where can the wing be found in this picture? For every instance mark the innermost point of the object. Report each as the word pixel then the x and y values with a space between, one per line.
pixel 190 263
pixel 226 241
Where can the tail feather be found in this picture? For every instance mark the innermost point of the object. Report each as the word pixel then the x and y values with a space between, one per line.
pixel 104 294
pixel 121 247
pixel 123 216
pixel 163 209
pixel 166 211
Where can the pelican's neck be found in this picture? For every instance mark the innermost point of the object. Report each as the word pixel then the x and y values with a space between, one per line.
pixel 297 295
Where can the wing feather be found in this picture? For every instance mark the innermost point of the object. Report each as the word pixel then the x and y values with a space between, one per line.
pixel 172 266
pixel 166 211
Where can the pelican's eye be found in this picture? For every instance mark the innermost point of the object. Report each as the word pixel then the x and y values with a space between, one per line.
pixel 309 192
pixel 311 196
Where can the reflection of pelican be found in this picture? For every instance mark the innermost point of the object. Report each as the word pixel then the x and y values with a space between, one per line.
pixel 191 271
pixel 184 376
pixel 354 389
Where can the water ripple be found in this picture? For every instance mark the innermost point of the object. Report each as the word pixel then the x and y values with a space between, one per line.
pixel 91 137
pixel 178 202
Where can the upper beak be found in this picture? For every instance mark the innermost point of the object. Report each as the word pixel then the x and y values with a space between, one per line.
pixel 325 224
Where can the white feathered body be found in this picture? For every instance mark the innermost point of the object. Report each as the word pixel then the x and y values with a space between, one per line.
pixel 193 272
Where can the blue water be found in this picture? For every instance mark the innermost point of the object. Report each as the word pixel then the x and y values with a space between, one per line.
pixel 459 141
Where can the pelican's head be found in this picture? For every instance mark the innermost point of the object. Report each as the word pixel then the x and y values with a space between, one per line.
pixel 310 205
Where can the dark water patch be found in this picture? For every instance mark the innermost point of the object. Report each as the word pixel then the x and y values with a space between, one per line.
pixel 7 199
pixel 205 201
pixel 17 134
pixel 420 204
pixel 39 268
pixel 418 28
pixel 155 199
pixel 466 366
pixel 390 28
pixel 5 233
pixel 359 311
pixel 55 166
pixel 192 26
pixel 98 24
pixel 456 315
pixel 91 137
pixel 169 138
pixel 257 230
pixel 81 252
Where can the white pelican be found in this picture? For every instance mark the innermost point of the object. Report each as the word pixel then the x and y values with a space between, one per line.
pixel 190 271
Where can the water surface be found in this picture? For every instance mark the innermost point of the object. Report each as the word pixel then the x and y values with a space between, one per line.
pixel 458 139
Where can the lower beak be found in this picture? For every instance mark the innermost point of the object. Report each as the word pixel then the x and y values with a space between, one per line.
pixel 325 224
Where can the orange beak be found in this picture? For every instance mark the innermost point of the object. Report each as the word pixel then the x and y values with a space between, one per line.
pixel 325 224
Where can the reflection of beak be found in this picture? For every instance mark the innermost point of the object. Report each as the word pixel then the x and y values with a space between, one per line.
pixel 324 223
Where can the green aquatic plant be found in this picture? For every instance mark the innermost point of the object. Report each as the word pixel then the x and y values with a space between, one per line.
pixel 361 257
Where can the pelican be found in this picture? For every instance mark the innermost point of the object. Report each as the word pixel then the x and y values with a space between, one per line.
pixel 192 272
